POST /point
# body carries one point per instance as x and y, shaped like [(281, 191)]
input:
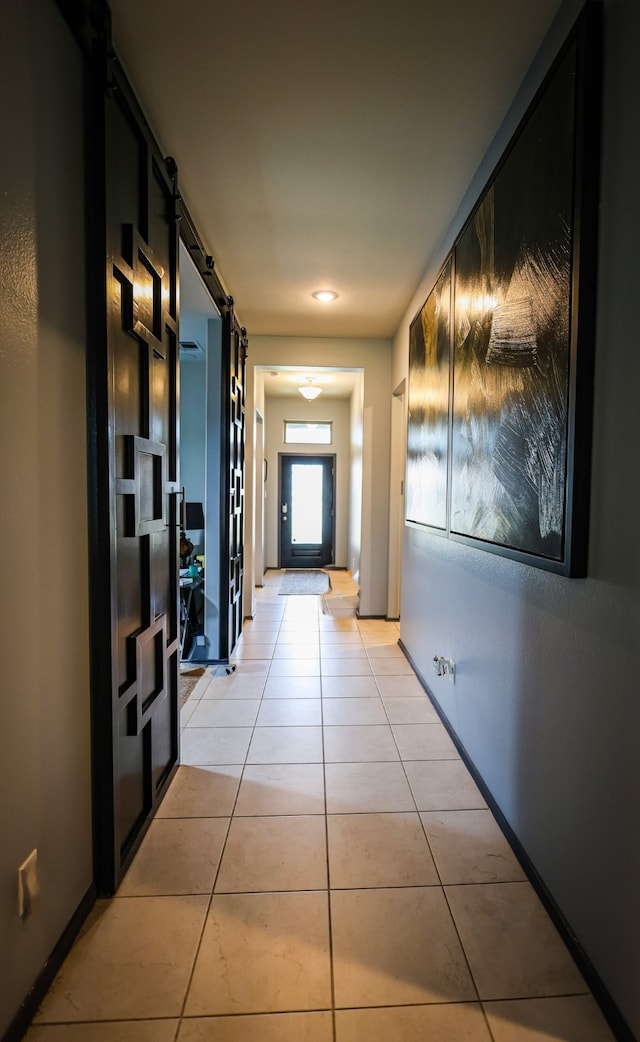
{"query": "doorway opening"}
[(200, 466), (282, 422), (307, 530)]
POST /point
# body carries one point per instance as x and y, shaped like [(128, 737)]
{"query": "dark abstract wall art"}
[(512, 322), (428, 403), (523, 272)]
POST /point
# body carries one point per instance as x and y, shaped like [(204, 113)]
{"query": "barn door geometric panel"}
[(234, 563), (138, 505), (133, 395)]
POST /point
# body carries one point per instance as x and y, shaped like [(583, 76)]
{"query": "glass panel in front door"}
[(306, 503)]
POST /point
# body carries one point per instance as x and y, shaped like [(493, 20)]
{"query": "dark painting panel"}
[(428, 424), (512, 339)]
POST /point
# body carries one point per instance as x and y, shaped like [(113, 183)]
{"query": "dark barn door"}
[(133, 394), (232, 570), (135, 591)]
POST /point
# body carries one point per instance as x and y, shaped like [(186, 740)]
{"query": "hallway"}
[(323, 869)]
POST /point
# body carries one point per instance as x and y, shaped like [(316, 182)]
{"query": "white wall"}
[(374, 356), (332, 410), (546, 694), (356, 420), (45, 776)]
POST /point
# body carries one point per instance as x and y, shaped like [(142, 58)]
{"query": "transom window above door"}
[(303, 432)]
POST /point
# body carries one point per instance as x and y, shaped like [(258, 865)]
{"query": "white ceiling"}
[(326, 146), (284, 382)]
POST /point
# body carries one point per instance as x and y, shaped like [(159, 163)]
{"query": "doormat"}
[(188, 681), (303, 581)]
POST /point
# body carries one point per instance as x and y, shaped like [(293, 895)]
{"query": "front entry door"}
[(306, 511)]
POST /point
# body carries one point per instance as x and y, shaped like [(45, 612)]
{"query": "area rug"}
[(188, 681), (302, 581)]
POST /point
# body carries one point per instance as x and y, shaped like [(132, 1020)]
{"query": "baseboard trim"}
[(610, 1011), (20, 1023)]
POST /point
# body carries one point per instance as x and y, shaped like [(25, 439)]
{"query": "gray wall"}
[(45, 783), (193, 431), (546, 699), (200, 403)]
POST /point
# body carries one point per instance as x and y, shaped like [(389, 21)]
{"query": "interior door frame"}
[(260, 467), (396, 498), (308, 458), (234, 352)]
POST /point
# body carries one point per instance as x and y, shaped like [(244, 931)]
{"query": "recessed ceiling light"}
[(325, 295)]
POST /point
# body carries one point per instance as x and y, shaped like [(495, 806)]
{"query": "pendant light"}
[(309, 390)]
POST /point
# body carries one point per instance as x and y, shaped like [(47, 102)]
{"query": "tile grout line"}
[(477, 1001), (326, 825), (330, 953), (216, 874), (442, 888), (326, 835)]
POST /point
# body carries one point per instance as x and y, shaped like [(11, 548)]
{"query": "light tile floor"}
[(323, 869)]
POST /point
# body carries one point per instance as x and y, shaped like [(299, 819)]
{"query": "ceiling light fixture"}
[(325, 296), (309, 391)]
